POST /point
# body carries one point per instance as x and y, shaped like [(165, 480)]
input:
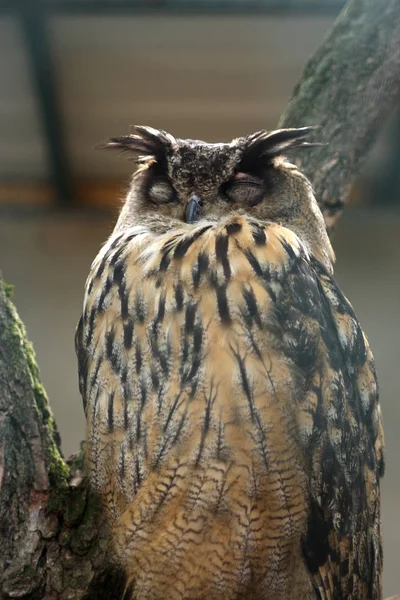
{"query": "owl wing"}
[(160, 311), (344, 449)]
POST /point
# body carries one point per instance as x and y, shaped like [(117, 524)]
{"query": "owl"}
[(234, 432)]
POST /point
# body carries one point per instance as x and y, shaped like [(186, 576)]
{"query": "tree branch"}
[(349, 87), (53, 528)]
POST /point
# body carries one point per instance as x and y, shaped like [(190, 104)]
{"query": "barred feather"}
[(233, 424)]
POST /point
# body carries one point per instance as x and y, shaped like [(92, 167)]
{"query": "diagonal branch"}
[(349, 87)]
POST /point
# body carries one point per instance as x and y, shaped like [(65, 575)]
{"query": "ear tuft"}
[(145, 144), (267, 145)]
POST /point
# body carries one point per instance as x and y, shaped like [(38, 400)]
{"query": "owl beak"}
[(193, 209)]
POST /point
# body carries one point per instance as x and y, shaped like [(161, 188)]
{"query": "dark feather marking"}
[(200, 268), (245, 382), (128, 334), (160, 312), (91, 284), (184, 244), (95, 403), (222, 303), (171, 411), (111, 352), (106, 257), (130, 237), (124, 296), (114, 243), (179, 428), (187, 376), (95, 373), (233, 228), (110, 336), (118, 272), (142, 403), (271, 292), (315, 543), (90, 328), (155, 380), (264, 451), (126, 394), (138, 353), (190, 317), (341, 304), (197, 338), (255, 265), (300, 345), (110, 412), (160, 396), (213, 278), (122, 463), (289, 250), (138, 477), (221, 253), (102, 266), (206, 424), (82, 361), (160, 353), (161, 451), (184, 353), (106, 288), (220, 438), (259, 235), (179, 296), (252, 308), (165, 260), (115, 257), (140, 310)]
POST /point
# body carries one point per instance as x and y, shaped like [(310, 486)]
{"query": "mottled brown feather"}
[(233, 425)]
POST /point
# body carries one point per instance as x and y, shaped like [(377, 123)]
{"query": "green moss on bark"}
[(22, 356)]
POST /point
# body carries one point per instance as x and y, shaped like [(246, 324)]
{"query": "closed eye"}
[(244, 189), (162, 192)]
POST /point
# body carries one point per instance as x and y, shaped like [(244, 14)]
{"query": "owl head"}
[(184, 181)]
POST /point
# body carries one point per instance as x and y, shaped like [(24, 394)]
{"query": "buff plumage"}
[(233, 425)]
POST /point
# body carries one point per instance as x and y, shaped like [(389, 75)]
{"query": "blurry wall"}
[(206, 77)]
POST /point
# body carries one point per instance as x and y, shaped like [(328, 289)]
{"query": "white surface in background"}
[(22, 151), (208, 77)]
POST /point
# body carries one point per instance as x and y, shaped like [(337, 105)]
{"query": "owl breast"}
[(204, 354)]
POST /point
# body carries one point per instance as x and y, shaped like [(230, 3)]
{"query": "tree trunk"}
[(51, 527), (348, 88), (54, 536)]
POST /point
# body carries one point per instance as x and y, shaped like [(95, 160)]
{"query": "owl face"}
[(190, 180)]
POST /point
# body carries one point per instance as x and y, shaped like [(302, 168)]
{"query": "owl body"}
[(233, 426)]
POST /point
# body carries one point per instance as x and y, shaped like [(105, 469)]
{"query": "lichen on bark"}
[(53, 528)]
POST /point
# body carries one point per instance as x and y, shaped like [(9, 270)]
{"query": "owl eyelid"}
[(246, 179), (249, 182), (161, 191), (235, 191)]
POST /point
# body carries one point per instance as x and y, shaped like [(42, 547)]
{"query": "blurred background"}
[(74, 72)]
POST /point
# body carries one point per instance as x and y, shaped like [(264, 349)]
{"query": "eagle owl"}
[(233, 427)]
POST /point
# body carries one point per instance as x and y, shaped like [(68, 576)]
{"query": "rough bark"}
[(52, 529), (349, 87), (53, 537)]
